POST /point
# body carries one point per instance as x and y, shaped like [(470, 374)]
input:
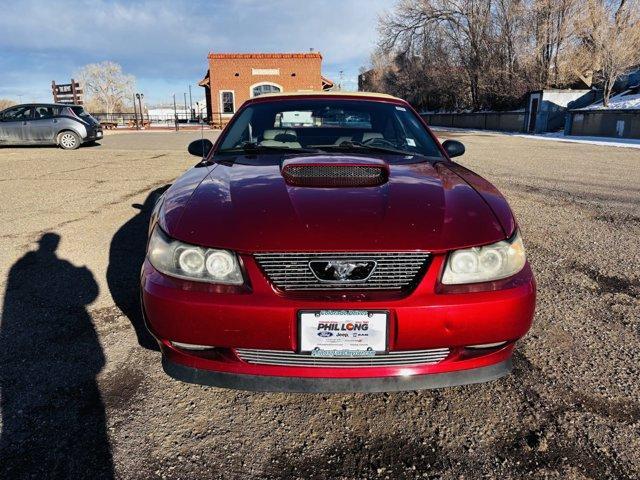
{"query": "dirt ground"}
[(84, 396)]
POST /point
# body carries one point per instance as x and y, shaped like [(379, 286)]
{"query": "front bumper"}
[(262, 383), (259, 317)]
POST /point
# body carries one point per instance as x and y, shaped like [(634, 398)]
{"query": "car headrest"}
[(281, 135)]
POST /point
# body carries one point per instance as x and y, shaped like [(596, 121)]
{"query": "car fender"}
[(66, 123), (490, 194)]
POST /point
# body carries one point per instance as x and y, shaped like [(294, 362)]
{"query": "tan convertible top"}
[(330, 94)]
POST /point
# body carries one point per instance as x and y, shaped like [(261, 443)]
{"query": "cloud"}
[(43, 40)]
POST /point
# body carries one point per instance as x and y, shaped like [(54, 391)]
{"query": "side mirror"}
[(200, 148), (453, 148)]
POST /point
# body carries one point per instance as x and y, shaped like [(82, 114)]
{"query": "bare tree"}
[(509, 25), (6, 103), (490, 53), (552, 22), (106, 86), (610, 40), (463, 26), (373, 77)]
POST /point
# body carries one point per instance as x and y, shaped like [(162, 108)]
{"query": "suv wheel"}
[(69, 140)]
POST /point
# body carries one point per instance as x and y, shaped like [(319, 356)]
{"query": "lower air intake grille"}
[(375, 271), (292, 359)]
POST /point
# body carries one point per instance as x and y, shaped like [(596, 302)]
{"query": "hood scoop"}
[(320, 171)]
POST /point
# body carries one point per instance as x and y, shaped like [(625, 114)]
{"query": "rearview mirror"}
[(200, 148), (453, 148)]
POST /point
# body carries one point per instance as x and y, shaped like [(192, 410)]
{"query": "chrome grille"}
[(393, 271), (293, 359)]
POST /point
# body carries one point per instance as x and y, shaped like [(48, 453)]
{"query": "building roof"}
[(205, 81), (213, 55), (326, 83)]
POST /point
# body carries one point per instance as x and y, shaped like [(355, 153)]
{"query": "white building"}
[(167, 113)]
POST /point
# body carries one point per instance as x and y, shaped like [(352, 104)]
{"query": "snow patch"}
[(619, 102), (554, 137), (604, 141)]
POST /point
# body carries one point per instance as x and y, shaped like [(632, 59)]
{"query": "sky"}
[(164, 44)]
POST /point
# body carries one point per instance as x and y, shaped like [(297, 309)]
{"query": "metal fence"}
[(599, 123), (126, 119), (604, 123), (501, 121)]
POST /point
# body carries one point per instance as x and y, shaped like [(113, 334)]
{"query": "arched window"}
[(263, 88)]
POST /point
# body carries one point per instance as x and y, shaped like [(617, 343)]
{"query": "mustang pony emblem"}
[(342, 270)]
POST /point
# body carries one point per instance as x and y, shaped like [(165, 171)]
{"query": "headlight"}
[(484, 264), (182, 260)]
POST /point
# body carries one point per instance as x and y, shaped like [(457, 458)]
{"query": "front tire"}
[(69, 140)]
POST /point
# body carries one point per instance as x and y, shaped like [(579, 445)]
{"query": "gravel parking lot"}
[(84, 396)]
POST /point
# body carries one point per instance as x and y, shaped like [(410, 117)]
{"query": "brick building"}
[(233, 78)]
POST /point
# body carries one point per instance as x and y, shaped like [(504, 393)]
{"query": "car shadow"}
[(53, 416), (126, 255), (48, 145), (36, 146)]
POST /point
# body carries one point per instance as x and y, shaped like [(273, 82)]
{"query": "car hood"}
[(245, 204)]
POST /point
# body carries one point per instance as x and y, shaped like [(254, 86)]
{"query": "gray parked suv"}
[(68, 126)]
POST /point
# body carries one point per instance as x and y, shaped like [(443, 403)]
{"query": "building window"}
[(226, 102), (265, 88)]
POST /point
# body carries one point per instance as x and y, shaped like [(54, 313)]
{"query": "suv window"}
[(18, 113), (46, 111)]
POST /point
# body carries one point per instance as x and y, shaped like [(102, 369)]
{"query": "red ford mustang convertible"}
[(327, 243)]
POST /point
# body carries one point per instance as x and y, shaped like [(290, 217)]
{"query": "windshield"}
[(320, 124)]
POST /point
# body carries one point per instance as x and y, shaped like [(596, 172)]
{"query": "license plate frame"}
[(371, 317)]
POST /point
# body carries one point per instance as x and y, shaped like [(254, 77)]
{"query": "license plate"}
[(99, 134), (335, 333)]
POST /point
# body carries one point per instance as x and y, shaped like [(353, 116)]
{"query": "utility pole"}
[(175, 111), (135, 113), (140, 96), (185, 107), (190, 104)]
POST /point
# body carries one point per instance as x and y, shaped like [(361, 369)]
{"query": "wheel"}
[(69, 140)]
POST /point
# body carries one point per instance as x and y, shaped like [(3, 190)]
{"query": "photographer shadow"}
[(53, 416)]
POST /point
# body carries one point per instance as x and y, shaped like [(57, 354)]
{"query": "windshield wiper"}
[(351, 145), (256, 147)]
